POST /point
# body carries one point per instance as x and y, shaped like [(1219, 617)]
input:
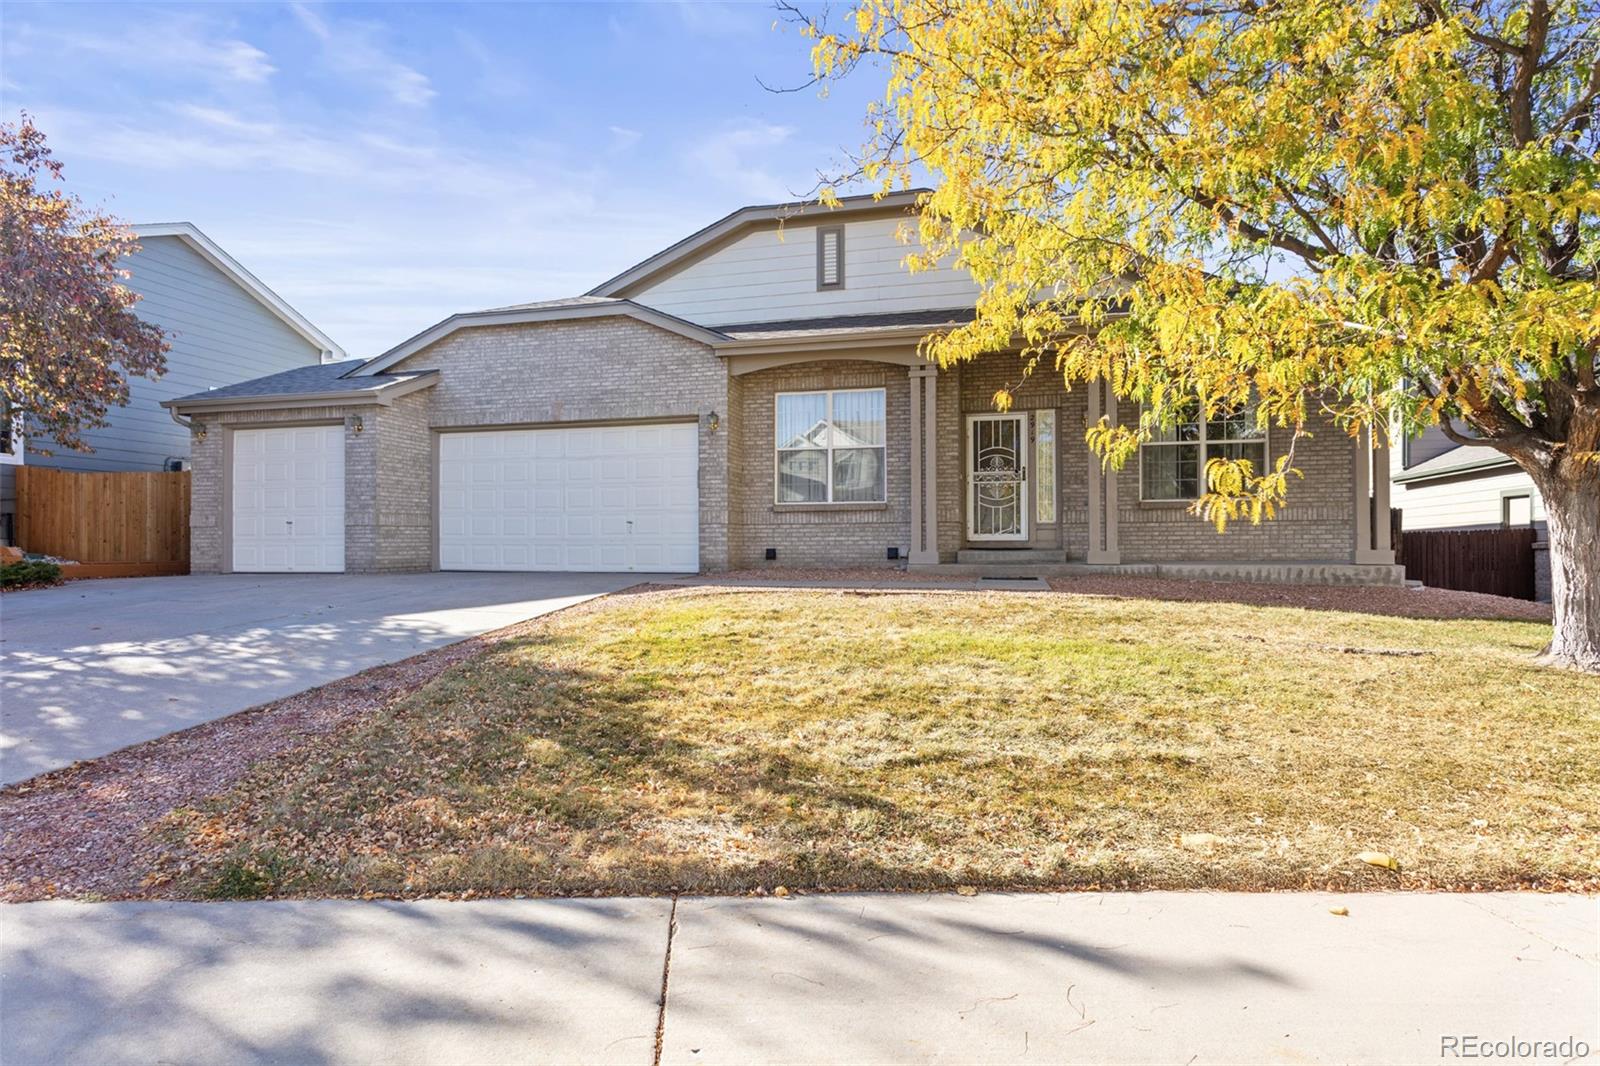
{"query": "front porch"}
[(865, 455), (1027, 497)]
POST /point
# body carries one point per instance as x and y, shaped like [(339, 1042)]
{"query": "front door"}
[(997, 477)]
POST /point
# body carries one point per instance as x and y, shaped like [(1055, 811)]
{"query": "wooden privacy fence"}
[(1497, 561), (136, 520)]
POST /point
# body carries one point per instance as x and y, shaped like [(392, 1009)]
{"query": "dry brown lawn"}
[(732, 741)]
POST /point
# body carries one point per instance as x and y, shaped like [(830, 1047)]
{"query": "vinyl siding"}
[(1420, 449), (219, 334), (771, 274), (1468, 501)]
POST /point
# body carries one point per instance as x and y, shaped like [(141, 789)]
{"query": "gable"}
[(770, 272), (183, 243)]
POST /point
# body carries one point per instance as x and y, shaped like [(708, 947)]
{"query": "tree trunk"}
[(1573, 507)]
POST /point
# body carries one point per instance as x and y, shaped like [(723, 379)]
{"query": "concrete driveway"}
[(94, 666)]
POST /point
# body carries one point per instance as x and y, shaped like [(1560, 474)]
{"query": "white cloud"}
[(734, 158), (352, 49), (176, 45), (623, 138)]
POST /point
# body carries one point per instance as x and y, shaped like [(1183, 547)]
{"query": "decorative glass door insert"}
[(997, 477)]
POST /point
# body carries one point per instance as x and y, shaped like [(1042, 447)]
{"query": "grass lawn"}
[(727, 741)]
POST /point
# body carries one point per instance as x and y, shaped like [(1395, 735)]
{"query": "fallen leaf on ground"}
[(966, 890), (1343, 912), (1379, 858)]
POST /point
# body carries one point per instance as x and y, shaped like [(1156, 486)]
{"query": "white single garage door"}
[(288, 500), (590, 498)]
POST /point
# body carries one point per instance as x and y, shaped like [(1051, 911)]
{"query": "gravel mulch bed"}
[(870, 574), (90, 829), (84, 829), (1398, 602)]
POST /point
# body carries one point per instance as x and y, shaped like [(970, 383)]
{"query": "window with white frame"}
[(10, 435), (1172, 464), (830, 446)]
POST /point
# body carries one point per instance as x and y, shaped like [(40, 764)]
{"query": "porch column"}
[(1104, 549), (1372, 500), (924, 465)]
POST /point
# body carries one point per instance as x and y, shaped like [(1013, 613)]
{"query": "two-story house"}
[(752, 395), (224, 326)]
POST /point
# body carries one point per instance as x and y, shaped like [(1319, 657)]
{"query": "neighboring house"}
[(224, 326), (752, 395), (1439, 484)]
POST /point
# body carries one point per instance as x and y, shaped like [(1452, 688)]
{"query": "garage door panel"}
[(591, 498), (288, 499)]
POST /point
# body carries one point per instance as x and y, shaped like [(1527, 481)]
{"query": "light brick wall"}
[(620, 369), (950, 474), (209, 551), (1043, 390), (405, 485), (587, 370), (818, 534), (1317, 524)]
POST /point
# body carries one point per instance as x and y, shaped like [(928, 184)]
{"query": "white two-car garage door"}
[(586, 498), (288, 500)]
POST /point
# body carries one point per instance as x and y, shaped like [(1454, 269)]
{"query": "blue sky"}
[(384, 165)]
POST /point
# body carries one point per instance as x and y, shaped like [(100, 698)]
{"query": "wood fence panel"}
[(104, 517), (1496, 561)]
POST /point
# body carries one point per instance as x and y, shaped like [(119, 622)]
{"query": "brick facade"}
[(1317, 524), (589, 370), (620, 369), (819, 534), (210, 502)]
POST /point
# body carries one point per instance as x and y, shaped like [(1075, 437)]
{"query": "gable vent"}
[(830, 257)]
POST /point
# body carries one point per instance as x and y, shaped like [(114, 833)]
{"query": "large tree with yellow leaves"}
[(1387, 211)]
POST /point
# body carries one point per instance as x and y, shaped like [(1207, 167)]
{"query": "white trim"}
[(517, 316), (1203, 443), (827, 452), (1025, 504), (208, 249), (17, 456)]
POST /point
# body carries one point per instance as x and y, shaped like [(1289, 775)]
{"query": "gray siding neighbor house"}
[(1439, 484), (752, 396), (224, 327)]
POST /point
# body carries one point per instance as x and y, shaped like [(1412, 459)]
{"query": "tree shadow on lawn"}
[(512, 774)]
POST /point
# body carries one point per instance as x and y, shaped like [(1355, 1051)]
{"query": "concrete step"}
[(1011, 556)]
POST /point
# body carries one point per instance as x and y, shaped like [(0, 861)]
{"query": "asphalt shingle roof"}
[(304, 381), (1462, 458), (565, 301), (811, 327)]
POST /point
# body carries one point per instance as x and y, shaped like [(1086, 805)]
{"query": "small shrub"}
[(249, 875), (28, 573)]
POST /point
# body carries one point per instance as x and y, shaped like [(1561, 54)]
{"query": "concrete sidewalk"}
[(1146, 977)]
